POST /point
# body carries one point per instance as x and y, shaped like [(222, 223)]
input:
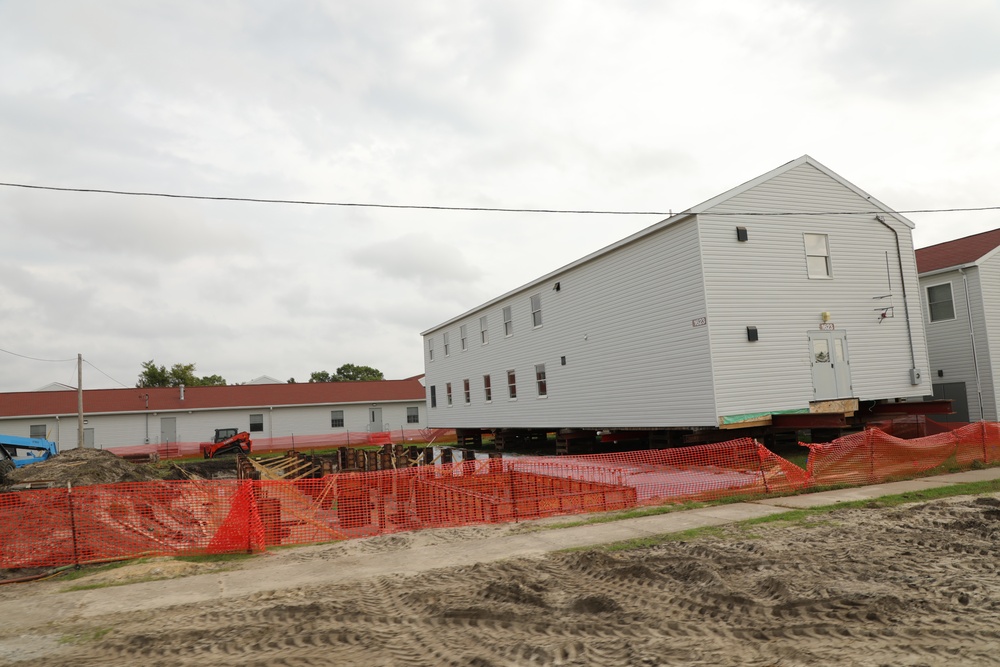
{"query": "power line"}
[(23, 356), (105, 374), (488, 209)]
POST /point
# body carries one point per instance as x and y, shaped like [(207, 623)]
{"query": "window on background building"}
[(511, 384), (940, 302), (484, 330), (487, 390), (447, 348), (256, 423), (817, 255), (336, 418), (468, 391), (37, 431), (540, 380), (464, 338), (434, 396), (430, 348), (508, 323), (413, 415), (536, 310), (447, 391)]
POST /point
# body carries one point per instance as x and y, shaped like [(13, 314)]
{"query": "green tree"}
[(352, 373), (348, 373), (179, 374)]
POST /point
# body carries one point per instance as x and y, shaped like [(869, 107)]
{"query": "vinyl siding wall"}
[(986, 310), (623, 321), (763, 282), (950, 341)]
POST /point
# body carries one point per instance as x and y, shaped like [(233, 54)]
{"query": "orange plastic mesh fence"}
[(873, 456), (51, 527)]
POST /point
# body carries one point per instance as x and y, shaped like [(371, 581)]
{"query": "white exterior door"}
[(831, 367), (168, 429), (375, 420)]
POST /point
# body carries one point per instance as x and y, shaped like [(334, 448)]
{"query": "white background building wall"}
[(763, 282), (987, 311), (120, 430)]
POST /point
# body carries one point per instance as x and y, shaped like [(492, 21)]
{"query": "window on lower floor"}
[(540, 380), (447, 391), (940, 302), (37, 430), (413, 415), (336, 418), (256, 423), (487, 390), (511, 384), (434, 396), (468, 392)]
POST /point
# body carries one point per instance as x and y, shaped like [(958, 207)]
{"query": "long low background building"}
[(173, 420)]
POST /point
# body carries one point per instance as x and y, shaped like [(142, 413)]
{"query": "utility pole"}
[(79, 401)]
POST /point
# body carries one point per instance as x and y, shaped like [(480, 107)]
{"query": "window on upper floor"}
[(256, 423), (463, 337), (508, 323), (536, 310), (447, 347), (413, 415), (430, 348), (484, 330), (540, 380), (940, 303), (511, 385), (817, 255), (336, 418), (487, 389), (434, 396)]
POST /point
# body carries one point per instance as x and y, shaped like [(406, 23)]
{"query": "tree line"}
[(152, 375)]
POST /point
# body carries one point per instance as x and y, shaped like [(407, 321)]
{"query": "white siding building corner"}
[(960, 289), (792, 289)]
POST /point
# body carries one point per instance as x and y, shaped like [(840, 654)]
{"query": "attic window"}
[(817, 255)]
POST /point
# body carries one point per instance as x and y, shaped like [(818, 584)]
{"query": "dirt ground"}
[(913, 585)]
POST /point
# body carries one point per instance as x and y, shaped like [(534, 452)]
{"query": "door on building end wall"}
[(959, 401), (168, 429), (831, 366), (375, 420), (88, 438)]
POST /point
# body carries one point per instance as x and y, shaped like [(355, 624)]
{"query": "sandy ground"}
[(914, 585)]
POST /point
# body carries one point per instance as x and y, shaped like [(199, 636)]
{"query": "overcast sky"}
[(627, 105)]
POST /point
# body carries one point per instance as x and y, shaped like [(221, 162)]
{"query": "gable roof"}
[(704, 207), (959, 252), (166, 399)]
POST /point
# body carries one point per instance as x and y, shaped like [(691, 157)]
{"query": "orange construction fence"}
[(88, 524)]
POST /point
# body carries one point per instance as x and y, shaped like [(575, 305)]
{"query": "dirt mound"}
[(82, 467)]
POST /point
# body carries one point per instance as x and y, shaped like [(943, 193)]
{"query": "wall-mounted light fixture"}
[(741, 234), (557, 287), (751, 333), (825, 316)]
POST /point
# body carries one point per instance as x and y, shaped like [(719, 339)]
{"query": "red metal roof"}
[(35, 403), (958, 252)]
